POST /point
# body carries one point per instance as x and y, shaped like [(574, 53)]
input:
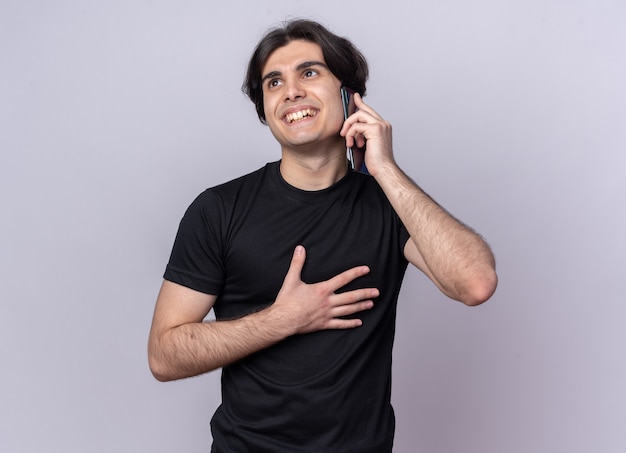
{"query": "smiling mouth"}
[(294, 117)]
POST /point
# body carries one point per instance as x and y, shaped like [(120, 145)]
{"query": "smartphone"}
[(355, 155)]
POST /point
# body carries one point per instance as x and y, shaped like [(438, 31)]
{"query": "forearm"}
[(196, 348), (181, 345), (454, 256), (457, 260)]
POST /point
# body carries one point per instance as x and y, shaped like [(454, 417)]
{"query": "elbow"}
[(480, 289), (157, 369), (165, 367), (159, 376), (157, 364)]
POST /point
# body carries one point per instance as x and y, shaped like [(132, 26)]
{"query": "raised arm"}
[(452, 255), (182, 345)]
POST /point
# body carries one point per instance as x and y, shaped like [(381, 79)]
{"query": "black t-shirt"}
[(325, 391)]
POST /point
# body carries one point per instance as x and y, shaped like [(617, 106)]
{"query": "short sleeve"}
[(196, 258)]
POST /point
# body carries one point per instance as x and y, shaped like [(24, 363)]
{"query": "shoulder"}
[(368, 188), (242, 182), (213, 209), (233, 188)]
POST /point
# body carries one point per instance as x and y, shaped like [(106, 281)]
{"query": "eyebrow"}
[(300, 67)]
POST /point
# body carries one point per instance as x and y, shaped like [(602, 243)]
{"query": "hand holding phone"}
[(354, 154)]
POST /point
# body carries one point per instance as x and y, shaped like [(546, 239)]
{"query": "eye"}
[(273, 83), (310, 73)]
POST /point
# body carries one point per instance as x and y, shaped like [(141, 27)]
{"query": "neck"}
[(313, 172)]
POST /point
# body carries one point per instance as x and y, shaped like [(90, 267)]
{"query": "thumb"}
[(297, 263)]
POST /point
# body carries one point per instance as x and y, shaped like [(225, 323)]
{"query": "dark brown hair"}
[(343, 59)]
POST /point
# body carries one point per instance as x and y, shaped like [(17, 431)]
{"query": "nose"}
[(294, 90)]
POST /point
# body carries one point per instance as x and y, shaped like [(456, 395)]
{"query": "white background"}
[(114, 115)]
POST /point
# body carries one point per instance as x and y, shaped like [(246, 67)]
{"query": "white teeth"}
[(297, 116)]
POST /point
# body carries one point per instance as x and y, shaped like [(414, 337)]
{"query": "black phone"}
[(355, 155)]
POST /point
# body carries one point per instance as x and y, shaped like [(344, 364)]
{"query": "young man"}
[(302, 262)]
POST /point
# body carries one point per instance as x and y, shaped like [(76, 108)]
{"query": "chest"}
[(338, 234)]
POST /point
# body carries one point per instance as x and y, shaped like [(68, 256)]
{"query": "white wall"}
[(114, 115)]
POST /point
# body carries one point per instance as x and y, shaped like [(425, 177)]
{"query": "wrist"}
[(274, 325), (384, 170)]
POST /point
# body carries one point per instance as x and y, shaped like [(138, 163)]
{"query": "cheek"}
[(268, 102), (336, 115), (274, 128), (266, 108)]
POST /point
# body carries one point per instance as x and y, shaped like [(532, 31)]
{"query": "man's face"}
[(301, 97)]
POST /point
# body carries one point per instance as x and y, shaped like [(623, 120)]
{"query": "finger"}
[(342, 279), (358, 118), (342, 324), (360, 140), (362, 106), (295, 267), (339, 324), (347, 310), (353, 296), (355, 136)]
